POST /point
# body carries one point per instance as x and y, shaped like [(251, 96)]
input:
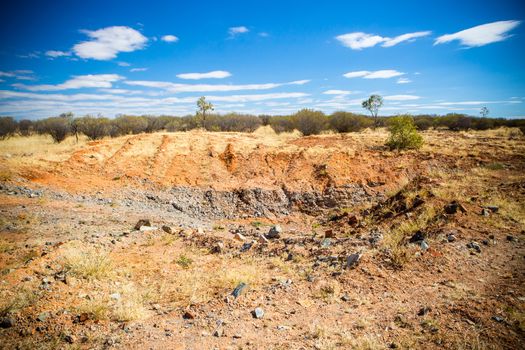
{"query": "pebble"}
[(275, 232), (7, 322), (258, 312), (475, 246), (352, 260), (451, 238)]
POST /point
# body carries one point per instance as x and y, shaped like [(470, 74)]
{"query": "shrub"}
[(129, 124), (233, 122), (282, 124), (423, 122), (403, 133), (7, 127), (183, 123), (25, 127), (310, 122), (94, 128), (57, 127), (349, 122)]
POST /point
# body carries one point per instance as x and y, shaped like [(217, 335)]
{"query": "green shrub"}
[(403, 133), (130, 124), (282, 124), (310, 122), (58, 127), (25, 127), (349, 122), (7, 127), (94, 128)]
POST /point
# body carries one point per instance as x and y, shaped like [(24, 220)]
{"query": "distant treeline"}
[(308, 122)]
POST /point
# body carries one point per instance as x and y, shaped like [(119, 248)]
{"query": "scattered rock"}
[(263, 240), (238, 290), (451, 238), (485, 212), (345, 297), (329, 234), (498, 319), (140, 223), (453, 207), (239, 237), (325, 243), (511, 238), (115, 296), (352, 260), (43, 316), (188, 315), (68, 338), (167, 229), (275, 232), (217, 248), (424, 245), (492, 208), (219, 332), (417, 237), (246, 246), (147, 228), (475, 246), (424, 310), (7, 322), (258, 312)]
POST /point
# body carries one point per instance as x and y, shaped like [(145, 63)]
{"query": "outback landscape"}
[(235, 240), (245, 175)]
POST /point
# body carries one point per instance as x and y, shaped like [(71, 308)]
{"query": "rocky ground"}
[(246, 241)]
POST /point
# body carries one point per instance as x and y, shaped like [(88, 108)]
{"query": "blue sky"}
[(271, 57)]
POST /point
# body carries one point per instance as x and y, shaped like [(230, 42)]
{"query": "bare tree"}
[(484, 112)]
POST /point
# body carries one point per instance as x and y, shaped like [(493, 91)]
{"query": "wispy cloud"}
[(378, 74), (480, 35), (401, 97), (176, 88), (56, 53), (403, 81), (234, 31), (216, 74), (337, 92), (169, 38), (106, 43), (143, 69), (77, 82), (360, 40), (20, 74)]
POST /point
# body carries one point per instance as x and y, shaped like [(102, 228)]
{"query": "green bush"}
[(349, 122), (94, 128), (7, 127), (403, 133), (58, 127), (25, 127), (310, 122), (282, 124), (130, 124)]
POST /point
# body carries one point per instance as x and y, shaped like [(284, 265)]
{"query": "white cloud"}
[(7, 74), (20, 74), (176, 88), (404, 37), (378, 74), (264, 34), (169, 38), (77, 82), (256, 97), (124, 64), (337, 92), (403, 81), (106, 43), (138, 69), (360, 40), (55, 53), (233, 31), (480, 35), (216, 74), (401, 98)]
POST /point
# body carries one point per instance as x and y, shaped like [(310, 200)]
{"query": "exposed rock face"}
[(261, 202)]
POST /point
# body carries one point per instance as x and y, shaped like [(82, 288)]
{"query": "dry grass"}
[(86, 262), (130, 306), (17, 299)]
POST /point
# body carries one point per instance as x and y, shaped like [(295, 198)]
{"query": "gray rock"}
[(43, 316), (451, 238), (424, 245), (167, 229), (352, 260), (219, 332), (275, 232), (325, 243), (115, 296), (475, 246), (238, 290), (485, 212), (258, 312)]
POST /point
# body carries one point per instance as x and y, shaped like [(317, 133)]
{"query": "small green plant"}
[(184, 262), (403, 133)]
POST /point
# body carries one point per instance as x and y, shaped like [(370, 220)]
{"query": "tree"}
[(204, 107), (373, 104), (403, 133), (484, 112), (7, 127), (310, 122), (57, 127)]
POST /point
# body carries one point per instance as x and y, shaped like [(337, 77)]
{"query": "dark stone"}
[(142, 222), (167, 229), (417, 237), (188, 315), (7, 322), (424, 310), (453, 207), (238, 290), (275, 232)]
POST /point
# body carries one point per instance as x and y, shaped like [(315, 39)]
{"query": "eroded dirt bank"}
[(375, 249)]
